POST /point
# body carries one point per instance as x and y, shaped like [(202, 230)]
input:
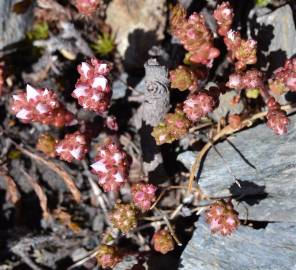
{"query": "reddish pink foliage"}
[(163, 241), (224, 16), (195, 36), (87, 7), (143, 195), (222, 217), (92, 89), (73, 146), (199, 105), (241, 50), (284, 78), (277, 119), (248, 80), (111, 166), (40, 105)]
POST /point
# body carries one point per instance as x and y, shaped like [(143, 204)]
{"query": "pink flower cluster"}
[(284, 78), (40, 105), (199, 105), (277, 119), (194, 35), (224, 16), (92, 89), (111, 166), (87, 7), (251, 79), (240, 50), (143, 195), (73, 146), (222, 217)]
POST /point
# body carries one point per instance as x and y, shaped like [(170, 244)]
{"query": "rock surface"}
[(13, 25), (270, 248), (276, 35), (137, 26)]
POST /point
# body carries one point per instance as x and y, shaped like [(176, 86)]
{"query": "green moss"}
[(39, 31), (104, 45), (262, 3)]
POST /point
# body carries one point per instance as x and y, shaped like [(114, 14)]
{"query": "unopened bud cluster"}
[(73, 146), (92, 89), (87, 7), (40, 105), (174, 127), (222, 218), (284, 78), (195, 36), (123, 217), (111, 166), (163, 241), (277, 119), (143, 195)]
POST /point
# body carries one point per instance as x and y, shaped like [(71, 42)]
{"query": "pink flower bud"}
[(40, 105), (163, 242), (284, 78), (224, 16), (222, 217), (92, 89), (194, 35), (143, 195), (277, 119), (73, 146), (111, 166), (199, 105), (111, 123), (87, 7)]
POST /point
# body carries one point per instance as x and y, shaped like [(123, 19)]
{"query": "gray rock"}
[(248, 249), (266, 165), (13, 26), (187, 158), (137, 25), (276, 35), (225, 107)]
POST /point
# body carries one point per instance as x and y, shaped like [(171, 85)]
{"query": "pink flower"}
[(222, 217), (195, 36), (73, 146), (250, 79), (143, 195), (87, 7), (284, 78), (224, 16), (199, 105), (40, 105), (111, 123), (92, 89), (277, 119), (111, 166)]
